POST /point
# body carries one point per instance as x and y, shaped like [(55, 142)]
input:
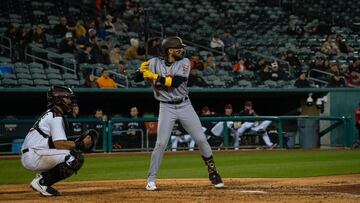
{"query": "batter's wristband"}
[(168, 81)]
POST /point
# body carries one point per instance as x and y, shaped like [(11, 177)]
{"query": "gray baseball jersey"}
[(179, 68), (181, 110)]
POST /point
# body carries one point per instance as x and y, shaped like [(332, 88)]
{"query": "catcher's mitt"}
[(87, 147)]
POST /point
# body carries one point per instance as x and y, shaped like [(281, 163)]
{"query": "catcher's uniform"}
[(38, 153)]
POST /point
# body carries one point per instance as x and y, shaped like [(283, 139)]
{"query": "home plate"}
[(253, 191)]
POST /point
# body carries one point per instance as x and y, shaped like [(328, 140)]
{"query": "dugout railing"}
[(7, 140), (348, 137)]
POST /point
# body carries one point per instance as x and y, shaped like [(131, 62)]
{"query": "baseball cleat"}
[(216, 180), (43, 189), (151, 186)]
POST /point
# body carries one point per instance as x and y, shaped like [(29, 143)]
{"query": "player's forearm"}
[(64, 144)]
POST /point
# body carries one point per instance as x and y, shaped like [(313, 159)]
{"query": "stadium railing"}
[(107, 129)]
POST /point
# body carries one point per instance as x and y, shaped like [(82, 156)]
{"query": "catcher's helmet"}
[(172, 42), (56, 95)]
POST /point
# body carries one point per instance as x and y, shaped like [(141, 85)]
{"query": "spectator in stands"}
[(109, 43), (239, 66), (355, 65), (196, 63), (329, 46), (196, 80), (223, 65), (301, 81), (260, 64), (276, 73), (120, 25), (84, 55), (79, 29), (342, 46), (100, 27), (115, 55), (353, 79), (109, 26), (153, 47), (104, 57), (62, 28), (323, 28), (228, 39), (337, 81), (179, 135), (136, 26), (209, 64), (294, 28), (39, 36), (357, 125), (131, 53), (293, 61), (105, 81), (67, 45), (217, 43), (90, 81), (135, 129)]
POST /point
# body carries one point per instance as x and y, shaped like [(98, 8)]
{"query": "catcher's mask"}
[(62, 97), (175, 43)]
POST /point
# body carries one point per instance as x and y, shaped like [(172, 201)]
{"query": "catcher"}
[(46, 149)]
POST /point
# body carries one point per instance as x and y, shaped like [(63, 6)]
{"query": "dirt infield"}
[(345, 188)]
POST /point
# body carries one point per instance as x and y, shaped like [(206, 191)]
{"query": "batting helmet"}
[(172, 42), (56, 95)]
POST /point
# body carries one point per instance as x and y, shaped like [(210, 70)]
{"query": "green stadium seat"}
[(9, 76), (53, 76), (23, 76), (9, 82), (25, 82), (37, 70), (35, 65), (38, 76), (72, 83), (56, 82), (69, 76), (41, 82)]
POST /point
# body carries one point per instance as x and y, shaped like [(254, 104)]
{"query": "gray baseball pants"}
[(168, 114)]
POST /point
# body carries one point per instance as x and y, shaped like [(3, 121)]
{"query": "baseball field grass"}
[(231, 164)]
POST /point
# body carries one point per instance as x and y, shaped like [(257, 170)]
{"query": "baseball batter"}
[(46, 149), (169, 82)]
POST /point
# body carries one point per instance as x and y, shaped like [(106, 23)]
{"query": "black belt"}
[(25, 150), (176, 101)]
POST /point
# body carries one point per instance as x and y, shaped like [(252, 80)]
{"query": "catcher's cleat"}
[(216, 180), (43, 189), (151, 186)]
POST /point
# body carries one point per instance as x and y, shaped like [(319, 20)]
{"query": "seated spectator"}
[(109, 26), (79, 29), (120, 25), (136, 25), (337, 81), (342, 46), (228, 39), (293, 61), (209, 64), (131, 53), (323, 28), (103, 57), (239, 66), (196, 63), (294, 28), (217, 43), (105, 81), (261, 64), (329, 46), (257, 126), (62, 28), (196, 80), (39, 36), (179, 135), (84, 55), (302, 82), (67, 45), (90, 81), (75, 127), (353, 79), (153, 47), (99, 114), (355, 65), (115, 55)]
